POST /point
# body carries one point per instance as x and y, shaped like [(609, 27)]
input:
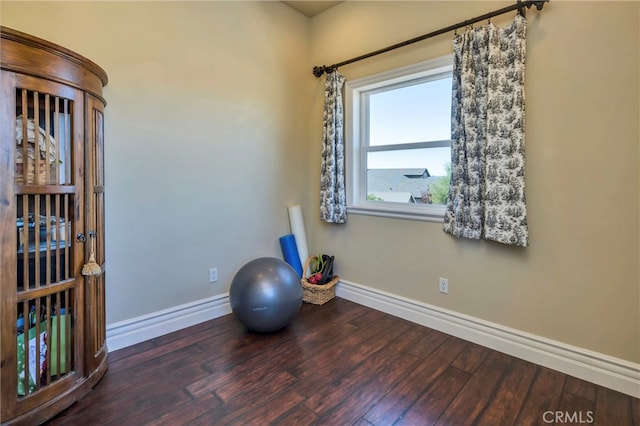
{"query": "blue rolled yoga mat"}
[(290, 252)]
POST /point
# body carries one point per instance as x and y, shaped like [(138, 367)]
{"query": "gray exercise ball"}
[(266, 294)]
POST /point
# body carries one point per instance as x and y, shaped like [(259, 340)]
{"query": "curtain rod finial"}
[(540, 4), (319, 70), (323, 69)]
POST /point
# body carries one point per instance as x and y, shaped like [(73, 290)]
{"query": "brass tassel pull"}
[(91, 267)]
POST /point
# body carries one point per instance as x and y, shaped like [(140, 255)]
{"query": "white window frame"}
[(356, 141)]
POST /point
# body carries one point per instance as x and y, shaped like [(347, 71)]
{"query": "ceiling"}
[(311, 8)]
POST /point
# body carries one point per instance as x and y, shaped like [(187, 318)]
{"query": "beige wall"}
[(213, 127), (205, 127), (578, 282)]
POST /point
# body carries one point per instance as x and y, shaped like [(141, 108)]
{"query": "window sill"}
[(423, 214)]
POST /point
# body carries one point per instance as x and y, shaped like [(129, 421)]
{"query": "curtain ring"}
[(521, 11)]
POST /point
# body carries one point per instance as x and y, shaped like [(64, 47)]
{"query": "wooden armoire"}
[(52, 281)]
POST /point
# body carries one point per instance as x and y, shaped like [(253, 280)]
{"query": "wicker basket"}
[(31, 173), (316, 293)]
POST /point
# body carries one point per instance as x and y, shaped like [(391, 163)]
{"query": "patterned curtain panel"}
[(333, 200), (487, 194)]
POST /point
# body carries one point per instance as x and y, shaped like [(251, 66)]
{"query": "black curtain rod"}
[(520, 5)]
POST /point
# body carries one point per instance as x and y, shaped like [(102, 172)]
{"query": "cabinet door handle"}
[(81, 237)]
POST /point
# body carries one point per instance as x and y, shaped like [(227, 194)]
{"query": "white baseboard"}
[(614, 373), (145, 327)]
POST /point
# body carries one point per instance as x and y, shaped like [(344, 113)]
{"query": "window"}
[(398, 141)]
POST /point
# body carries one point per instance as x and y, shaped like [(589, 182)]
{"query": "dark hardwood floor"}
[(336, 364)]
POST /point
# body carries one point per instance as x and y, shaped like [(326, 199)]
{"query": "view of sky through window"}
[(416, 113)]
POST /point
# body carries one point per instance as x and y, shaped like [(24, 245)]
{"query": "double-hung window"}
[(398, 141)]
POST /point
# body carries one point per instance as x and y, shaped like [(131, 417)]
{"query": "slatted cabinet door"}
[(48, 135), (96, 339)]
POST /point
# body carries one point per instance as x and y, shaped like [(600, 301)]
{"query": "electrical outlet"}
[(213, 275), (444, 285)]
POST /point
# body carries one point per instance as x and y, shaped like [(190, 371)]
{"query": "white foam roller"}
[(297, 229)]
